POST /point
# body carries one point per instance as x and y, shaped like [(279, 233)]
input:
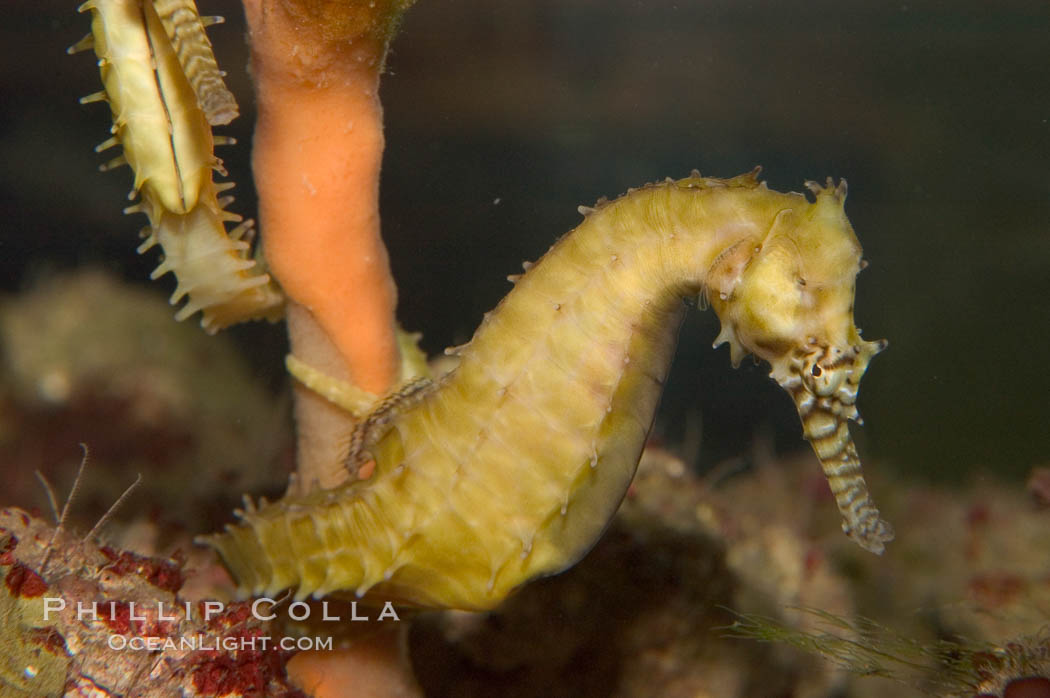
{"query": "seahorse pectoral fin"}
[(823, 382)]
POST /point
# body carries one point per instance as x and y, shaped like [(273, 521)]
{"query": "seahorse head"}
[(790, 302)]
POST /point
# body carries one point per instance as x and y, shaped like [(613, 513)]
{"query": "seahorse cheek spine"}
[(512, 467)]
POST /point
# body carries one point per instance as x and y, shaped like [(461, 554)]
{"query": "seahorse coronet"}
[(512, 464)]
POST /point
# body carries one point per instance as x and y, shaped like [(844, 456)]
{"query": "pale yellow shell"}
[(155, 85)]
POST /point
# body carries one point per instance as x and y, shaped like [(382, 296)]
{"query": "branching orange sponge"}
[(159, 76)]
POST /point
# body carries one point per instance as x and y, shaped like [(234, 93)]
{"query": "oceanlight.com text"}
[(259, 643)]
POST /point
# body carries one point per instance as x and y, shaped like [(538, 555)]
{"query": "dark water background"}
[(504, 115)]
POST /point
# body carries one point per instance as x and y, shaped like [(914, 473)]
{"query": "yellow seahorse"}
[(511, 465)]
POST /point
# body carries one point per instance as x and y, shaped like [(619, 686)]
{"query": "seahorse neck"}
[(628, 265)]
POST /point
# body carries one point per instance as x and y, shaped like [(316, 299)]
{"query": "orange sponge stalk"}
[(317, 155)]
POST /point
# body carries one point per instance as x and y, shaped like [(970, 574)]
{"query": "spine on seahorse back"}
[(513, 465)]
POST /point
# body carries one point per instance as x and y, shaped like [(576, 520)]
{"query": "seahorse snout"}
[(823, 381)]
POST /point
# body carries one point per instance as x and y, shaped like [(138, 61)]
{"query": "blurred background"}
[(503, 116)]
